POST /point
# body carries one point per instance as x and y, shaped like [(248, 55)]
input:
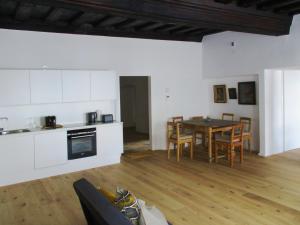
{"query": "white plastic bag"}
[(150, 215)]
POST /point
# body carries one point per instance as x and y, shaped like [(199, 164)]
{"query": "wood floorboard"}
[(263, 191)]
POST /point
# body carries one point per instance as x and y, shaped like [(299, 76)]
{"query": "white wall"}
[(251, 54), (232, 106), (291, 89), (173, 66)]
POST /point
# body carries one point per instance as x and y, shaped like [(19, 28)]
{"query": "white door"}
[(127, 95), (76, 86), (46, 86), (291, 109), (50, 149), (14, 87)]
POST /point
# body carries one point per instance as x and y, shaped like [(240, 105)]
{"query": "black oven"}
[(82, 143)]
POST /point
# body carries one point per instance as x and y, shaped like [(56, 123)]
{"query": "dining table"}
[(208, 127)]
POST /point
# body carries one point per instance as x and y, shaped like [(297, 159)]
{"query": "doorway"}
[(134, 95)]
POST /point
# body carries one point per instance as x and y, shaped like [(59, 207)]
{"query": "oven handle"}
[(82, 136)]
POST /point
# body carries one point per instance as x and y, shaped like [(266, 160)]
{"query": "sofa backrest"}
[(97, 209)]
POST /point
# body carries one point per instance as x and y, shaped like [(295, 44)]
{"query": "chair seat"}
[(244, 133), (225, 138), (182, 136)]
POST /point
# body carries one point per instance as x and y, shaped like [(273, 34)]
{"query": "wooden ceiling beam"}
[(38, 25), (205, 13), (277, 4), (23, 11)]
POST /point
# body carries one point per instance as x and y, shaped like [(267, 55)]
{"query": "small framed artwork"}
[(232, 93), (220, 94), (247, 93)]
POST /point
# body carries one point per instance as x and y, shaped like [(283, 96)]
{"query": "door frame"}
[(118, 110)]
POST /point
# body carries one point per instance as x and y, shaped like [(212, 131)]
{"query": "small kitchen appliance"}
[(50, 121), (107, 118), (92, 117)]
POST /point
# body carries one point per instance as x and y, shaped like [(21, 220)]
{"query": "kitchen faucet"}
[(1, 119)]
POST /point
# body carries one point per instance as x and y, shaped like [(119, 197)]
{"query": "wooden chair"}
[(178, 138), (247, 135), (228, 116), (177, 119), (230, 142), (199, 135)]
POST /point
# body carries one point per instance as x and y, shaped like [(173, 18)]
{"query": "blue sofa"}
[(97, 209)]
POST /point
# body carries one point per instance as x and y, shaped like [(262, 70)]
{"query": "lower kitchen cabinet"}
[(50, 149), (17, 158)]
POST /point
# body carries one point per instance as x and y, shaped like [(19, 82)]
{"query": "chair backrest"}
[(96, 208), (246, 121), (228, 116), (197, 118), (174, 130), (237, 133), (177, 119)]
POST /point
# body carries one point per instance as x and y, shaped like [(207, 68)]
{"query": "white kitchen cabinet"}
[(103, 85), (50, 149), (76, 86), (17, 158), (110, 140), (46, 86), (15, 88)]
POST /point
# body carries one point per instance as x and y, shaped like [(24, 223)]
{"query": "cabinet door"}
[(50, 149), (46, 86), (76, 86), (14, 86), (103, 85), (17, 158), (110, 139)]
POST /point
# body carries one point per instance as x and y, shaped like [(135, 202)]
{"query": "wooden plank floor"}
[(261, 191)]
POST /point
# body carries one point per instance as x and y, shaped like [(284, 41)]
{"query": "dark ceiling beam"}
[(276, 4), (246, 3), (130, 23), (110, 21), (23, 11), (54, 15), (288, 8), (224, 1), (205, 13), (150, 26), (38, 25)]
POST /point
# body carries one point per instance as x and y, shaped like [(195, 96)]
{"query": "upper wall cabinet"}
[(46, 86), (15, 88), (103, 85), (76, 86)]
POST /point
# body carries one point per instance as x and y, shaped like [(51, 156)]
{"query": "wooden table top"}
[(214, 123)]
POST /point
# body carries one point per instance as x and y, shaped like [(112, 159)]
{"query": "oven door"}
[(82, 143)]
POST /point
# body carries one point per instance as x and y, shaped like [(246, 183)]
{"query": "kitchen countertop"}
[(70, 126)]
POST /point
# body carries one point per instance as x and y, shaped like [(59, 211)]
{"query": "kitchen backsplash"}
[(66, 113)]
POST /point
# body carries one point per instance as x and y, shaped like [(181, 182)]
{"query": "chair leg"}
[(249, 144), (178, 152), (231, 159), (168, 143), (241, 154), (192, 150), (216, 152)]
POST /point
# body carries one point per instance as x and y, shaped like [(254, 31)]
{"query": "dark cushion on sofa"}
[(97, 209)]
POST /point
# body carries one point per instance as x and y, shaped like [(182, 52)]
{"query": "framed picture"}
[(220, 94), (247, 93), (232, 93)]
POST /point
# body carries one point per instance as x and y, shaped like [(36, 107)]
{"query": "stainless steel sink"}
[(6, 132)]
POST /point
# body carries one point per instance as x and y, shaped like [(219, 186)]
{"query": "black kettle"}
[(92, 117)]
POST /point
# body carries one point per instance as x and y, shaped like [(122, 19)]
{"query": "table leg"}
[(210, 158)]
